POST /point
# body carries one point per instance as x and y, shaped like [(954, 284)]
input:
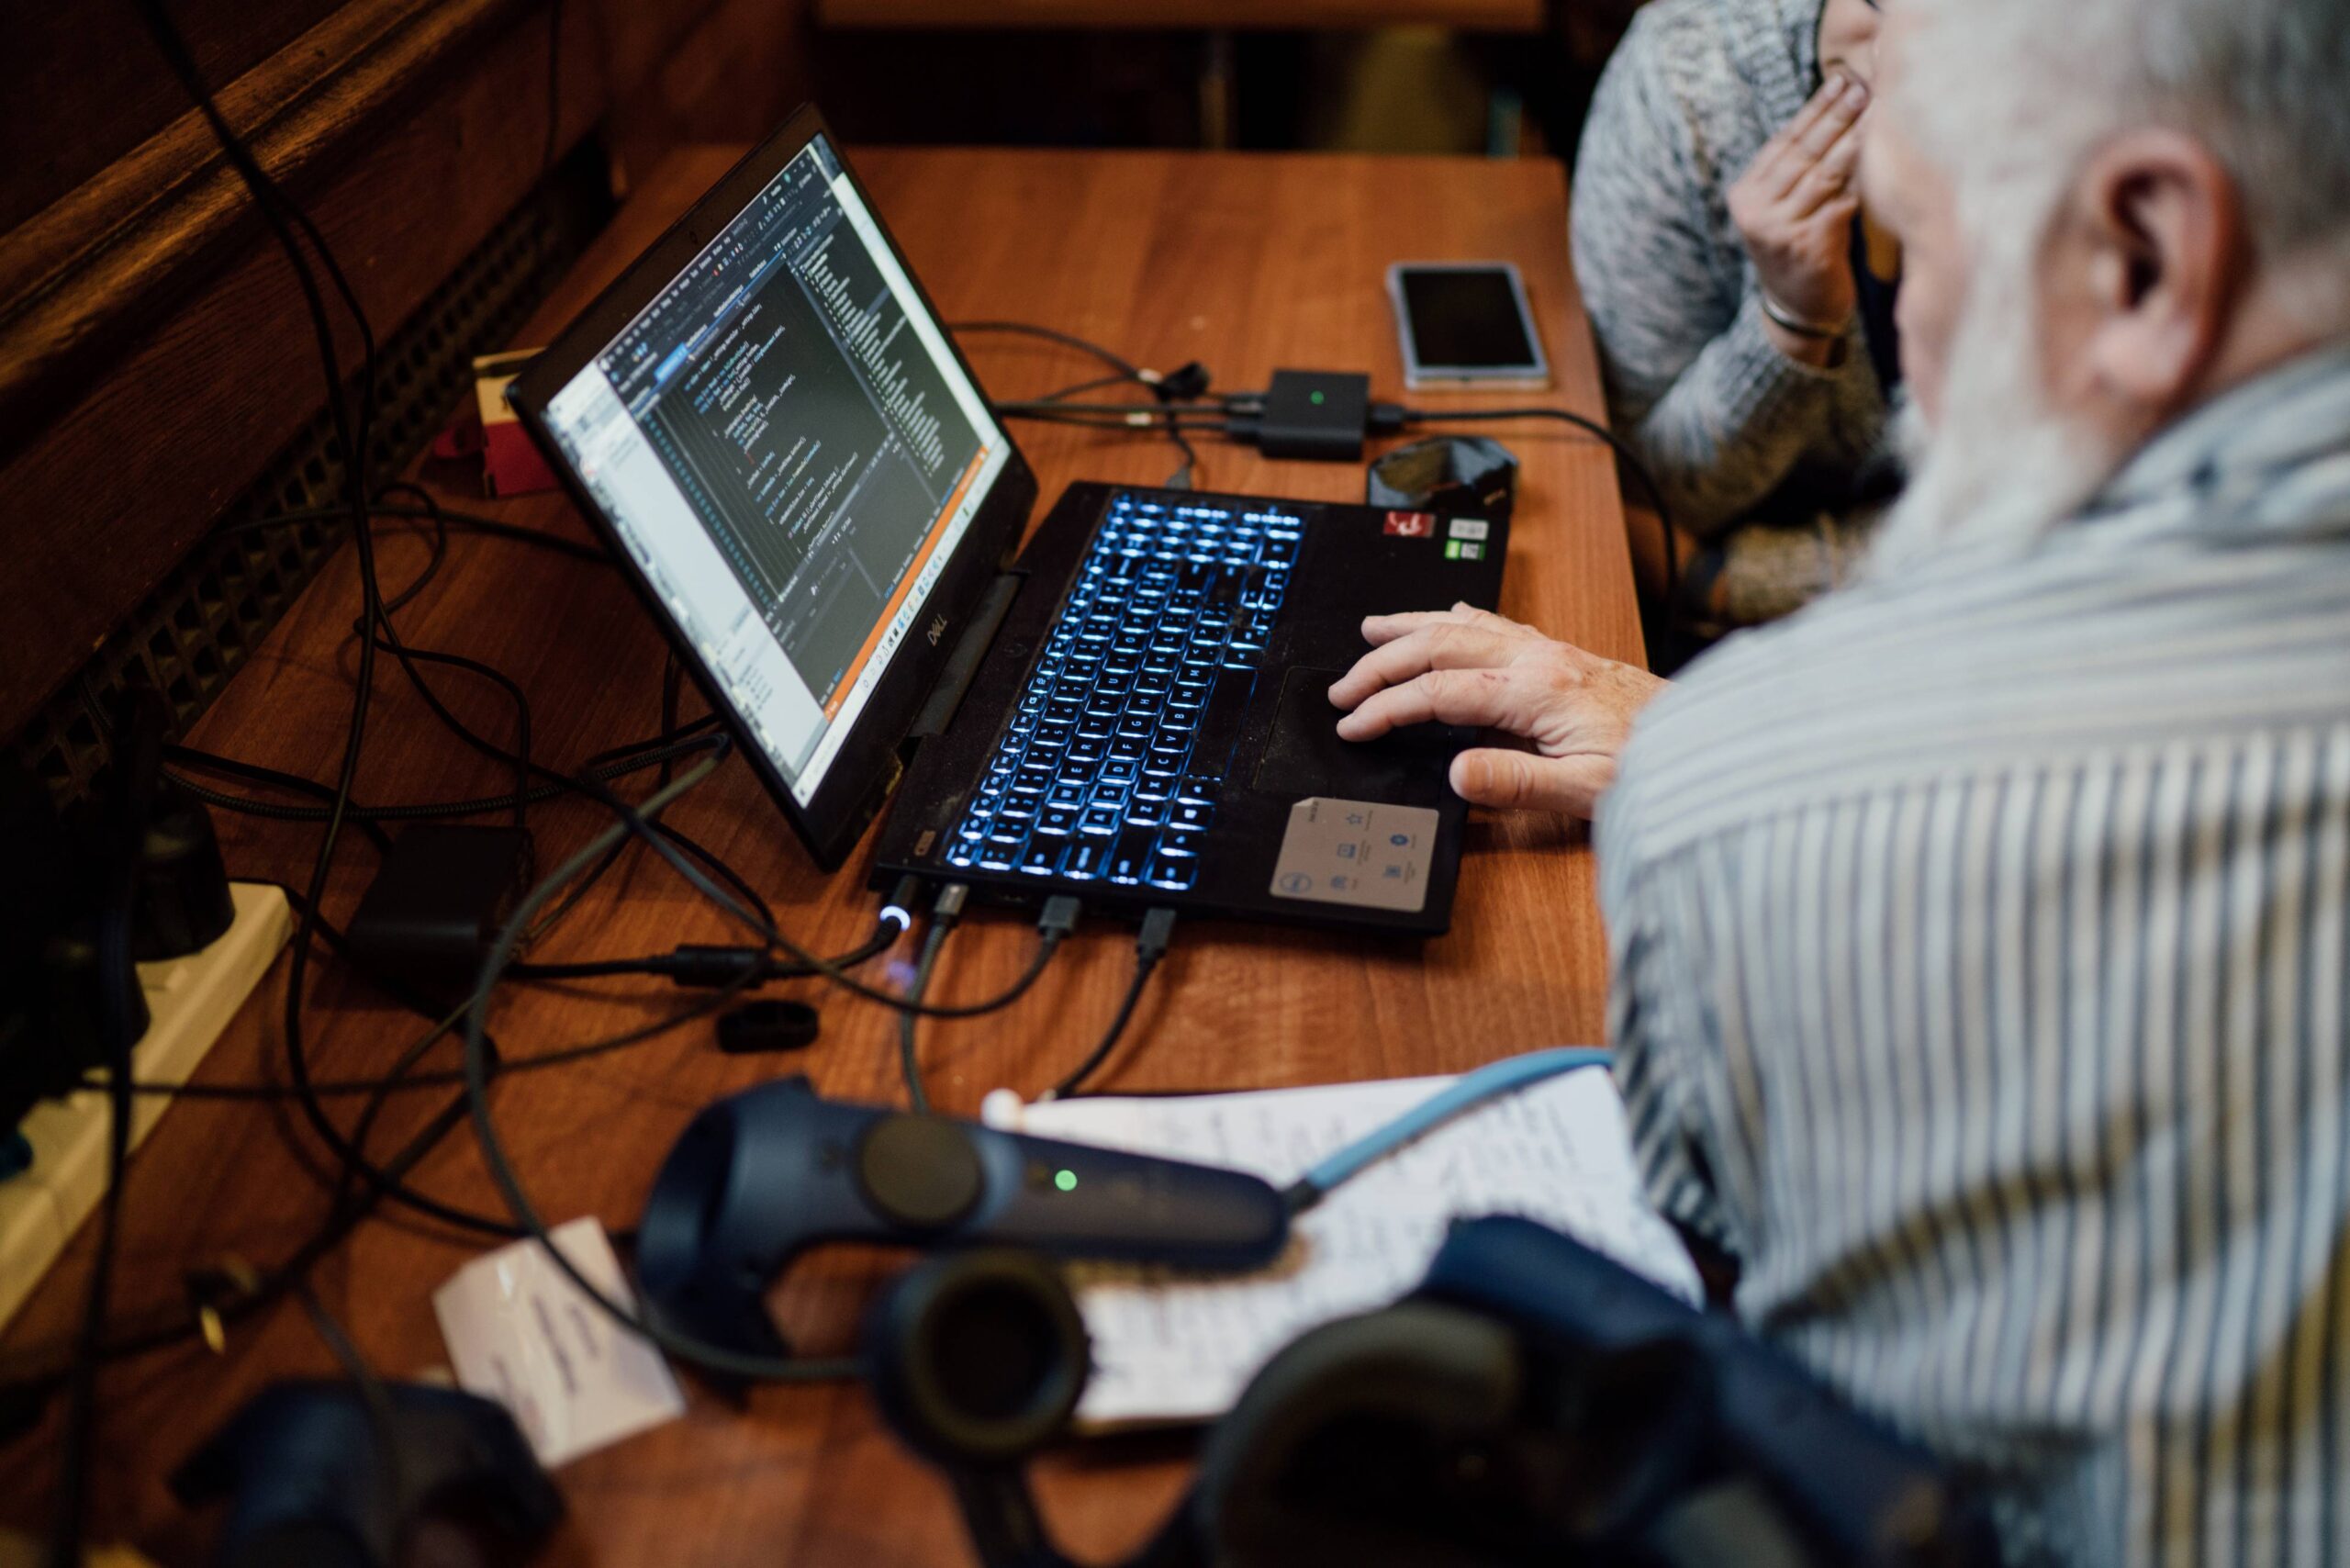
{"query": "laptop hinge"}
[(963, 663)]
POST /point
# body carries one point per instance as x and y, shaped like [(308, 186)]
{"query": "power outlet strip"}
[(190, 1001)]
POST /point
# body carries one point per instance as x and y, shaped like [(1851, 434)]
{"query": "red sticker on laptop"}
[(1411, 525)]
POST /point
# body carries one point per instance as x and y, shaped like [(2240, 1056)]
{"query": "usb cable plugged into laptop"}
[(695, 965), (1058, 918), (945, 914), (1150, 945), (898, 911)]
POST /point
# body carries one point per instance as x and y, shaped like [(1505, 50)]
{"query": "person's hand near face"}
[(1571, 712), (1795, 207)]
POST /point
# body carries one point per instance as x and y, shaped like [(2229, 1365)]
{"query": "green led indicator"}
[(1315, 398), (1066, 1181)]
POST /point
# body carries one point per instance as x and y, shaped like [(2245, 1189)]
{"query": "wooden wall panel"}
[(154, 352), (111, 255), (106, 497), (80, 87)]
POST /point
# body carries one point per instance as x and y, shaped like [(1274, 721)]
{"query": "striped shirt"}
[(1979, 942)]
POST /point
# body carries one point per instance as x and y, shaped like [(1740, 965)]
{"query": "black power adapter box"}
[(427, 919), (1316, 414)]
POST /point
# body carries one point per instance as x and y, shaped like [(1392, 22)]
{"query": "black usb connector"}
[(1059, 917), (1053, 925), (1151, 944)]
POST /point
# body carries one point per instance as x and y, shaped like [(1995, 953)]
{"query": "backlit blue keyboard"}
[(1111, 768)]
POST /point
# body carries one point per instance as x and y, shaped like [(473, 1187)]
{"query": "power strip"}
[(190, 1001)]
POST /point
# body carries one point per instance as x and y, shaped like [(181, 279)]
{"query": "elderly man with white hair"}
[(1982, 934)]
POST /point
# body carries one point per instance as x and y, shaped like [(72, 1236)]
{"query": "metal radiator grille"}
[(197, 628)]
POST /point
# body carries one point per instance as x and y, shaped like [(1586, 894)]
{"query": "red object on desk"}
[(510, 463)]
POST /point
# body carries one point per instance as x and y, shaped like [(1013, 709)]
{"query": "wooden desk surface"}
[(1243, 261), (1467, 15)]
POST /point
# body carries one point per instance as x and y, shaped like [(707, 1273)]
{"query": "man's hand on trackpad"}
[(1572, 711)]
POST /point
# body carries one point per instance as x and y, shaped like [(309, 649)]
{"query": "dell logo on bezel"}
[(937, 630)]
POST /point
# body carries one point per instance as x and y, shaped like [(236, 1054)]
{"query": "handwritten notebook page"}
[(1171, 1347)]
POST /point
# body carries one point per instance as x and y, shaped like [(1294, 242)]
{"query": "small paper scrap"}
[(519, 1332)]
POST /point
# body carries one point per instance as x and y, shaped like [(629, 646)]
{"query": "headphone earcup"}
[(1336, 1414), (977, 1357)]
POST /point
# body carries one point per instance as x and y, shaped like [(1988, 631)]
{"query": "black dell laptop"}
[(789, 455)]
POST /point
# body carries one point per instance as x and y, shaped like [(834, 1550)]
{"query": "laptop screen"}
[(787, 446)]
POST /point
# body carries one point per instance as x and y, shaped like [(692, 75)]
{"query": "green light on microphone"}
[(1066, 1181)]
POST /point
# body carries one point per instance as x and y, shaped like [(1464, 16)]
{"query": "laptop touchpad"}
[(1306, 757)]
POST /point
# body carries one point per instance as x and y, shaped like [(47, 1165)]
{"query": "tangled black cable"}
[(1055, 408), (685, 1347), (1176, 412), (1150, 946), (1061, 913), (65, 1539), (427, 811), (449, 517), (376, 632), (291, 225), (350, 1149), (32, 1374)]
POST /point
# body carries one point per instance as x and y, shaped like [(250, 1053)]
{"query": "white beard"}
[(2001, 468)]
